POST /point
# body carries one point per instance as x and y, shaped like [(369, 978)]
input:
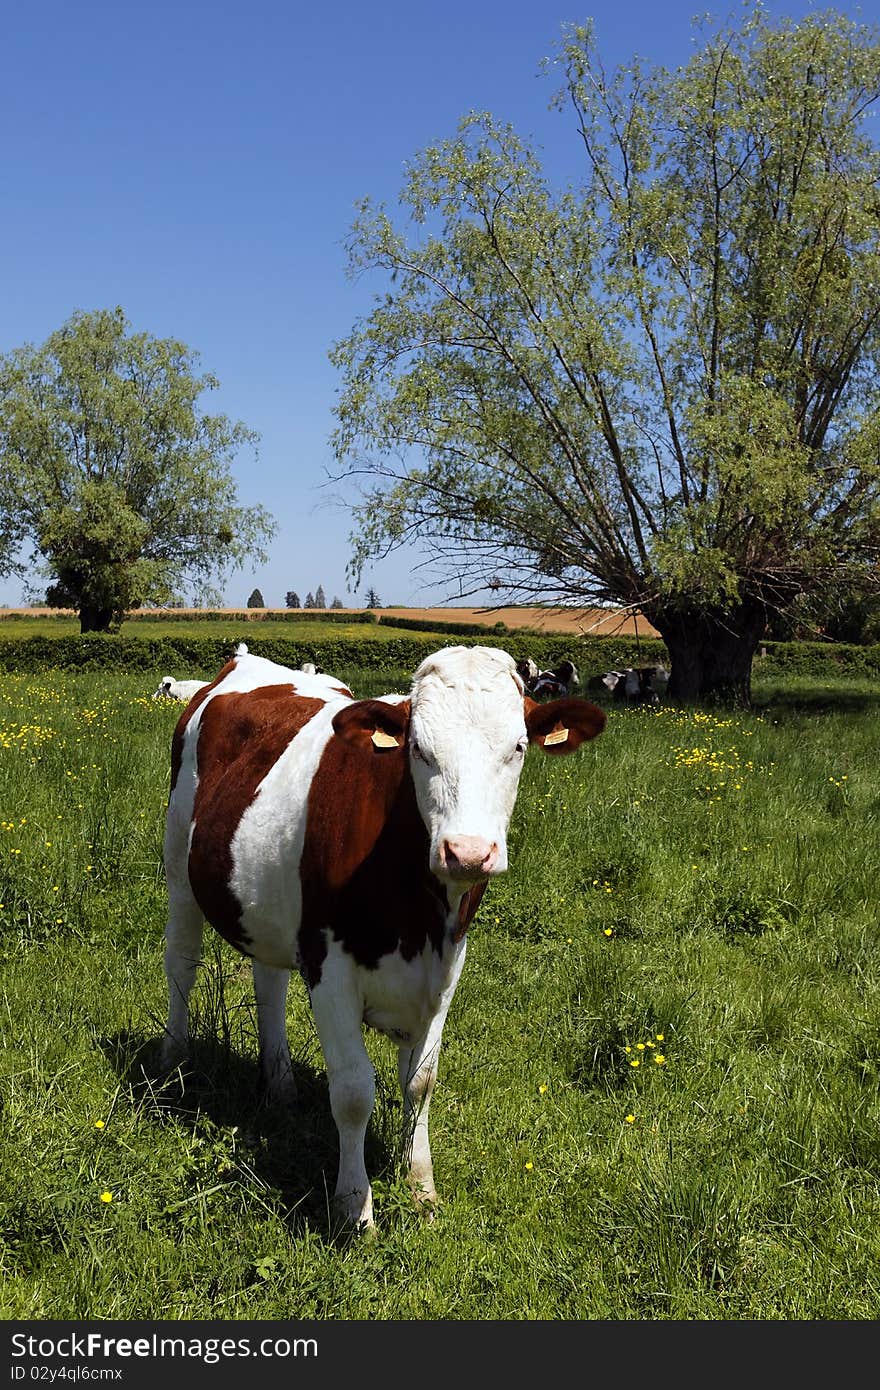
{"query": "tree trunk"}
[(711, 653), (94, 619)]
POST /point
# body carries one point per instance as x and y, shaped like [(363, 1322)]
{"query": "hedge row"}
[(453, 629), (199, 656), (210, 615)]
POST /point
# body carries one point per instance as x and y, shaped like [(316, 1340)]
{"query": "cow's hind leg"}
[(183, 951), (270, 989)]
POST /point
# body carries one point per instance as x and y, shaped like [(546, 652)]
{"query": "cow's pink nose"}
[(469, 856)]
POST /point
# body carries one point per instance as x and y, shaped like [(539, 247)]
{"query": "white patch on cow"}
[(467, 742)]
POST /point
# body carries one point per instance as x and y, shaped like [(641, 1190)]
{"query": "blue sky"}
[(200, 164)]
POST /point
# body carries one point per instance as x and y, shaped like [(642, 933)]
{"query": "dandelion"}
[(106, 1196), (659, 1058), (607, 931), (529, 1166), (99, 1124), (542, 1089), (634, 1062), (659, 1037), (640, 1047), (630, 1119)]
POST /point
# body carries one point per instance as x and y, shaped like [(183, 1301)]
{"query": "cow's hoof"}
[(280, 1088), (426, 1200), (173, 1054), (353, 1217)]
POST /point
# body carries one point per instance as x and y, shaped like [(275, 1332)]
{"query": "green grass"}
[(701, 884)]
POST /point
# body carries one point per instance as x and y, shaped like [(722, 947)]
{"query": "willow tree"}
[(113, 478), (657, 385)]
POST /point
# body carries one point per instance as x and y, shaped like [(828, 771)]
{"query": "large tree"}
[(657, 387), (112, 477)]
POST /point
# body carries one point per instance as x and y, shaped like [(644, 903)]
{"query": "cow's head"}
[(466, 727)]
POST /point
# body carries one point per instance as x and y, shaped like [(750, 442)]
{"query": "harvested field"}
[(583, 622)]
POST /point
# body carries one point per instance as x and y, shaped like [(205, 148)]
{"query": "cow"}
[(634, 684), (559, 681), (172, 689), (352, 841), (528, 671)]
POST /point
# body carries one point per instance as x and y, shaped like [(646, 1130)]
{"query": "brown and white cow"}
[(350, 840)]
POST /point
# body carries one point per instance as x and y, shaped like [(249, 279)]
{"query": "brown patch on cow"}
[(364, 868), (241, 737), (180, 728), (342, 690), (467, 908)]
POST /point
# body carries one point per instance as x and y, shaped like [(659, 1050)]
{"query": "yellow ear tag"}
[(383, 740), (557, 736)]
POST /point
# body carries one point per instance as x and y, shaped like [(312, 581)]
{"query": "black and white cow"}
[(350, 840), (634, 684)]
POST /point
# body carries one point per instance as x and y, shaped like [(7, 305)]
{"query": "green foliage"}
[(112, 473), (657, 384), (255, 599)]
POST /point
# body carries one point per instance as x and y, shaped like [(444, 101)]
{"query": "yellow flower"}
[(529, 1166), (634, 1062), (606, 931), (640, 1046), (659, 1037), (659, 1058), (630, 1119), (106, 1196), (99, 1124)]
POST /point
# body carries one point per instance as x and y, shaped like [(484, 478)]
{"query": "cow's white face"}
[(467, 743)]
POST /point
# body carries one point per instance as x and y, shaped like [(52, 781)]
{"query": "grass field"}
[(659, 1092)]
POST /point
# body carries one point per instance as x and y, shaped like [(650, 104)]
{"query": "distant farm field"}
[(659, 1094), (272, 623)]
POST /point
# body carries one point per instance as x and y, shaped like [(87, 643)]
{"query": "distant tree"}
[(113, 475), (372, 599), (309, 601), (337, 603), (291, 599), (320, 601), (256, 600)]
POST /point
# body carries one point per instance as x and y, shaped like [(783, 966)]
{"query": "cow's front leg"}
[(270, 990), (338, 1013), (417, 1070)]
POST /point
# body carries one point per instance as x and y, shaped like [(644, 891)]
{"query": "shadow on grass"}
[(791, 699), (289, 1150)]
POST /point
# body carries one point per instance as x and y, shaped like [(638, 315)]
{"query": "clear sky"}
[(199, 164)]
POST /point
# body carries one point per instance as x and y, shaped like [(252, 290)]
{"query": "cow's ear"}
[(561, 726), (373, 722)]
